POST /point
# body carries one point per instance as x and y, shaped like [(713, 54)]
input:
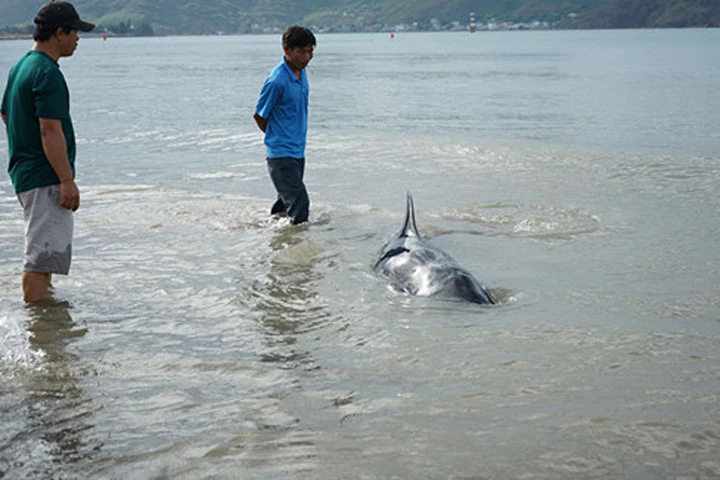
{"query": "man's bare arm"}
[(261, 122), (55, 149)]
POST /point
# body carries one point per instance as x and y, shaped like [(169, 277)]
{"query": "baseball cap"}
[(61, 14)]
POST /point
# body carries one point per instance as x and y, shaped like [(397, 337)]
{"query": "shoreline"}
[(28, 36), (16, 36)]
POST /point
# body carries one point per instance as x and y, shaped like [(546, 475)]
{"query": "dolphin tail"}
[(409, 228)]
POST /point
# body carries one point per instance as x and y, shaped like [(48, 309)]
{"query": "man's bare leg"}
[(35, 286)]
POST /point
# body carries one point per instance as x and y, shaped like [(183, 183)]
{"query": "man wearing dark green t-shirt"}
[(41, 144)]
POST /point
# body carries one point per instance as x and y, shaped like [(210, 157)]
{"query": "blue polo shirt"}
[(284, 103)]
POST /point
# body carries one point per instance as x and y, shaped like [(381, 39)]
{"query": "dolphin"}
[(414, 266)]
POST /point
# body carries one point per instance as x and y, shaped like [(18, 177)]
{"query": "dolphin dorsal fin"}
[(410, 227)]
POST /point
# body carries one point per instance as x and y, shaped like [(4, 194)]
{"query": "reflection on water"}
[(284, 303), (52, 329), (286, 298), (50, 409)]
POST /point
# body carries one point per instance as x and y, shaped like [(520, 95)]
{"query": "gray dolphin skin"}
[(414, 266)]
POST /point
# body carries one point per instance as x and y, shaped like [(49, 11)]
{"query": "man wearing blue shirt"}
[(281, 113)]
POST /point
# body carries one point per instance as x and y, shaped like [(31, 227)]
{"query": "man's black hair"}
[(297, 36), (44, 32)]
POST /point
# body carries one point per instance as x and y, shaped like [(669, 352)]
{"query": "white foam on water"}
[(16, 354)]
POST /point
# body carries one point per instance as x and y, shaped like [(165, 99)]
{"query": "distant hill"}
[(171, 17), (650, 14)]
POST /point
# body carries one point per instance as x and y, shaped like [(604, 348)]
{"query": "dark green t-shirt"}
[(35, 89)]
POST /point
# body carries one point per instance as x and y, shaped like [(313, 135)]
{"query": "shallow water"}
[(576, 173)]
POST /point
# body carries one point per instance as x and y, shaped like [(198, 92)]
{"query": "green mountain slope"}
[(651, 14), (245, 16), (15, 12)]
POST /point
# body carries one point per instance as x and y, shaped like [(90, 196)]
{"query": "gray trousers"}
[(287, 174)]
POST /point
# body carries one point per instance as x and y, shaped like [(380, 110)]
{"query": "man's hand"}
[(69, 195)]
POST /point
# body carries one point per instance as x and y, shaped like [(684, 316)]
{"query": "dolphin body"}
[(414, 266)]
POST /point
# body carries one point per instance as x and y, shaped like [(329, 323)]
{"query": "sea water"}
[(576, 173)]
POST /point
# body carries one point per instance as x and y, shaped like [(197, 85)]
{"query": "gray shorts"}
[(48, 231)]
